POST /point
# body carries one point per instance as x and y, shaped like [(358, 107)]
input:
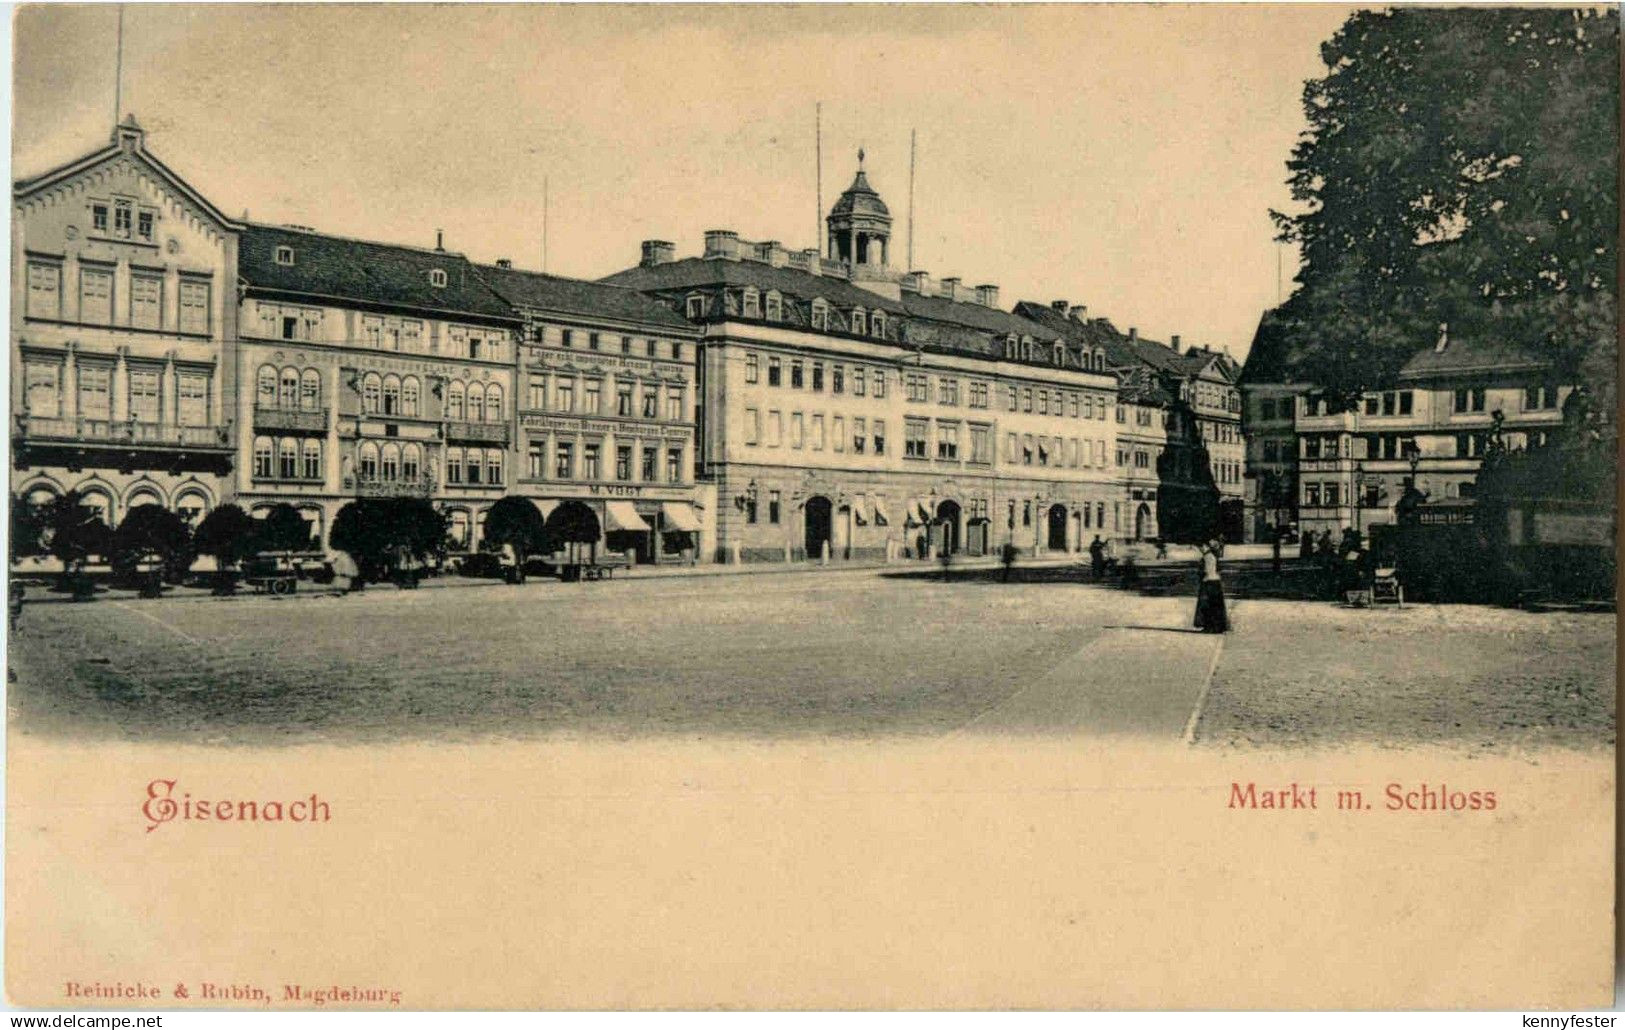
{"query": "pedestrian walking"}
[(1210, 613), (1097, 557)]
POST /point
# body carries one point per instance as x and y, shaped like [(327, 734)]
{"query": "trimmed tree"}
[(27, 528), (228, 535), (377, 533), (283, 529), (73, 532), (517, 523), (151, 531)]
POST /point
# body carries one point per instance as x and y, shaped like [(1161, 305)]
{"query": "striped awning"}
[(860, 509), (680, 517), (882, 516), (622, 515)]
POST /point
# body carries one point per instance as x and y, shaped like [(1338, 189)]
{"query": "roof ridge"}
[(306, 231)]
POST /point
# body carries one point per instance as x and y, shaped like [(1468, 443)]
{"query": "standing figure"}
[(1210, 613), (1097, 556)]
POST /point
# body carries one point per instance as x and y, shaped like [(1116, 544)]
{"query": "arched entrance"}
[(945, 530), (1057, 527), (1142, 521), (816, 516)]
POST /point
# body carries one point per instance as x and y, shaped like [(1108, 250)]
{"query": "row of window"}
[(288, 458), (1054, 451), (44, 387), (590, 466), (145, 306), (1226, 472), (1210, 396), (1219, 432), (859, 380), (130, 220), (751, 303), (605, 342), (387, 333), (1471, 400), (868, 436), (474, 466), (1138, 457), (629, 400)]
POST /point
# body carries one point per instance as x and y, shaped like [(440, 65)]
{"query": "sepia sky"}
[(1122, 157)]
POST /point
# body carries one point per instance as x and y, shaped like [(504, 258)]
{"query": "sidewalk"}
[(1144, 677)]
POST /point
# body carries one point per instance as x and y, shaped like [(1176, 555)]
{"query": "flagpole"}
[(118, 71)]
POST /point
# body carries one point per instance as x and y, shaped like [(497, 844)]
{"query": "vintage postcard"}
[(835, 507)]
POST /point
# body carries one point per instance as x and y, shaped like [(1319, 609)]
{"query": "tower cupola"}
[(860, 225)]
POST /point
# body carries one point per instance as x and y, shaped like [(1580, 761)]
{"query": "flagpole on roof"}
[(818, 161), (544, 222), (911, 266), (118, 70)]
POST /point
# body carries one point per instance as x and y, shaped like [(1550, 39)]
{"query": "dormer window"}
[(1026, 348), (775, 306), (1060, 354), (877, 324), (437, 277), (752, 307), (1010, 347), (858, 321), (820, 314), (284, 256), (696, 306)]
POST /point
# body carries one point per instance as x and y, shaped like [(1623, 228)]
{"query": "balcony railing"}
[(420, 486), (478, 432), (107, 431), (287, 419)]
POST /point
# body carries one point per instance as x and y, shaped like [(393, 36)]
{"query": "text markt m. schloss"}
[(1396, 797)]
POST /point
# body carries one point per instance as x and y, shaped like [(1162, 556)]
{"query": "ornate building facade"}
[(123, 327), (606, 413)]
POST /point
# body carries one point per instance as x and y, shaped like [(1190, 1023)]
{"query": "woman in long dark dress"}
[(1210, 613)]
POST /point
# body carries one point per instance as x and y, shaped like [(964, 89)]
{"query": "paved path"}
[(1147, 678)]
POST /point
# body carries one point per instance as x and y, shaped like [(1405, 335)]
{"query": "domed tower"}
[(860, 225)]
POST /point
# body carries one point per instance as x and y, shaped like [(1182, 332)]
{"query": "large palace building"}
[(852, 410)]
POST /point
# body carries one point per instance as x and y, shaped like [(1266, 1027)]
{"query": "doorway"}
[(816, 516), (945, 531), (1057, 527), (1142, 520)]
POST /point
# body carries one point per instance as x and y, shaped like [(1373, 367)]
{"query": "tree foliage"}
[(73, 531), (151, 531), (378, 532), (228, 534), (283, 529), (27, 528), (1459, 170), (515, 521)]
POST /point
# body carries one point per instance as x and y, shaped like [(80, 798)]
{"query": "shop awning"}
[(623, 516), (924, 510), (882, 517), (680, 517), (860, 510)]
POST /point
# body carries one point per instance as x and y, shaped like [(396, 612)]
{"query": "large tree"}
[(515, 521), (1460, 170), (377, 533)]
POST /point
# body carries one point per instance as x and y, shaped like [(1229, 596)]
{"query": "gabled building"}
[(606, 396), (371, 370), (123, 326), (1269, 403), (853, 410)]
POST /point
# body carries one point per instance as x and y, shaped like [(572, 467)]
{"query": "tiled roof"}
[(1139, 386), (579, 297), (371, 273), (704, 272), (1462, 355), (975, 316), (1121, 351)]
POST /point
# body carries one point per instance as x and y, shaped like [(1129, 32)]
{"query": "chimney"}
[(1133, 333), (1173, 343), (657, 252), (987, 295), (439, 239), (1078, 312), (772, 252), (950, 288), (914, 281), (814, 264), (1058, 305), (504, 263), (722, 243)]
